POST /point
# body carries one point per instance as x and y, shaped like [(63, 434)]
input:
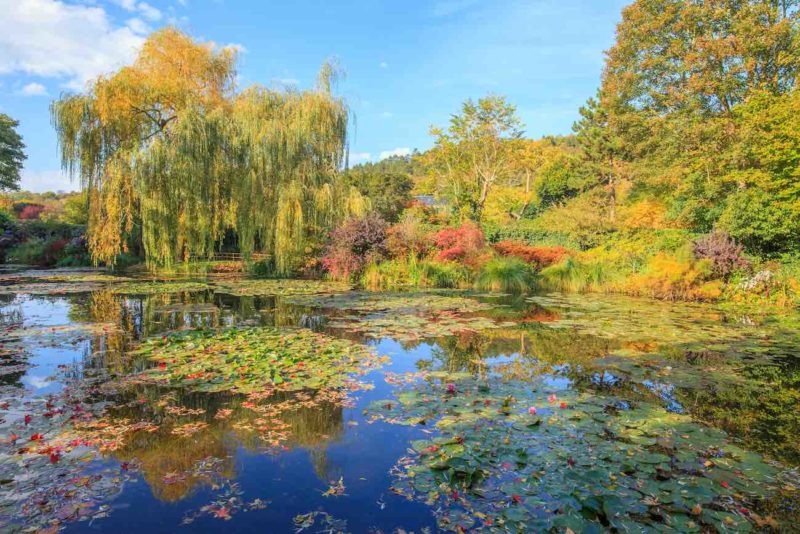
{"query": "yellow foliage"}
[(672, 278), (648, 214)]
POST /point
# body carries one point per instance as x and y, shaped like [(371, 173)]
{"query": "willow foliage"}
[(170, 151)]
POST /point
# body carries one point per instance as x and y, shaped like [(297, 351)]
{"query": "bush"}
[(672, 278), (28, 252), (458, 243), (75, 255), (540, 256), (355, 244), (408, 237), (410, 272), (508, 275), (527, 232), (725, 254)]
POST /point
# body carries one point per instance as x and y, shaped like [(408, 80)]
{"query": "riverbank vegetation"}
[(678, 181)]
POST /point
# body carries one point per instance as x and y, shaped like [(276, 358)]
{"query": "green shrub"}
[(28, 252), (528, 233), (506, 274), (75, 255), (411, 272)]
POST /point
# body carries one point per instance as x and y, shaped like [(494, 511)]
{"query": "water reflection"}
[(740, 373)]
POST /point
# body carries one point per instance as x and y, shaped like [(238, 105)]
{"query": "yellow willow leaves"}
[(172, 156)]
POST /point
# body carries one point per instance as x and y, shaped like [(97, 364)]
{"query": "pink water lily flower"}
[(451, 388), (552, 397), (532, 410)]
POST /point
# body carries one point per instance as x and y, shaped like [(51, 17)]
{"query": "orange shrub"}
[(671, 278), (541, 256), (458, 243)]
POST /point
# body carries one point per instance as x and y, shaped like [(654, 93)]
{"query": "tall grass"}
[(575, 275), (411, 272), (509, 275)]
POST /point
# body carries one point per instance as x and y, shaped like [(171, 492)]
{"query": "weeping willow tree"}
[(170, 153)]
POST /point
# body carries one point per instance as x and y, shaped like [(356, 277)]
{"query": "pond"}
[(303, 406)]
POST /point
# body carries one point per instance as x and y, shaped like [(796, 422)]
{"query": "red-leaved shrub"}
[(541, 256), (31, 212), (354, 244), (457, 244)]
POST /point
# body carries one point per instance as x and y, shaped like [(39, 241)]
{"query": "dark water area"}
[(567, 373)]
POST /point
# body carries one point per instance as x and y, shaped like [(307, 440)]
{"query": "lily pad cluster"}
[(252, 359), (158, 287), (278, 287), (515, 456), (404, 316)]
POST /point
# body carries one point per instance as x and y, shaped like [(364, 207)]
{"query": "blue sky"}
[(408, 64)]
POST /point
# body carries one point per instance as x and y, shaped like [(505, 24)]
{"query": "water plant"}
[(508, 275)]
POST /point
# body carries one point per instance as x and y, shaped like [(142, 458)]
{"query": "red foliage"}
[(354, 244), (541, 256), (31, 212), (458, 243), (53, 252)]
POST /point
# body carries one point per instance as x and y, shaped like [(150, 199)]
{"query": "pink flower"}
[(532, 410), (552, 397), (451, 388)]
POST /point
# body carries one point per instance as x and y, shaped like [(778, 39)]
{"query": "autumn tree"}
[(167, 149), (12, 153), (475, 153), (675, 89)]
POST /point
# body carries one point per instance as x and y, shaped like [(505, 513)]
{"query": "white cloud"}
[(384, 65), (137, 25), (238, 47), (359, 157), (41, 181), (400, 151), (149, 12), (143, 8), (33, 89), (49, 38)]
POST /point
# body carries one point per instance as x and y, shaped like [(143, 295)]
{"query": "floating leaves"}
[(253, 359), (578, 461)]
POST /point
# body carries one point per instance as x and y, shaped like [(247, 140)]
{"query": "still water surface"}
[(344, 466)]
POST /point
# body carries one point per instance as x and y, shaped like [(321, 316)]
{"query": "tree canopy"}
[(169, 150), (12, 153), (475, 153)]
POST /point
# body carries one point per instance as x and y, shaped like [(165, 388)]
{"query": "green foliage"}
[(576, 275), (29, 252), (475, 153), (761, 222), (408, 272), (166, 145), (387, 184), (506, 275), (527, 232), (12, 153)]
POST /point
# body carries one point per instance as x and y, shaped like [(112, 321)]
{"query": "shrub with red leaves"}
[(540, 256), (53, 252), (30, 212), (458, 243), (354, 244), (725, 253)]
